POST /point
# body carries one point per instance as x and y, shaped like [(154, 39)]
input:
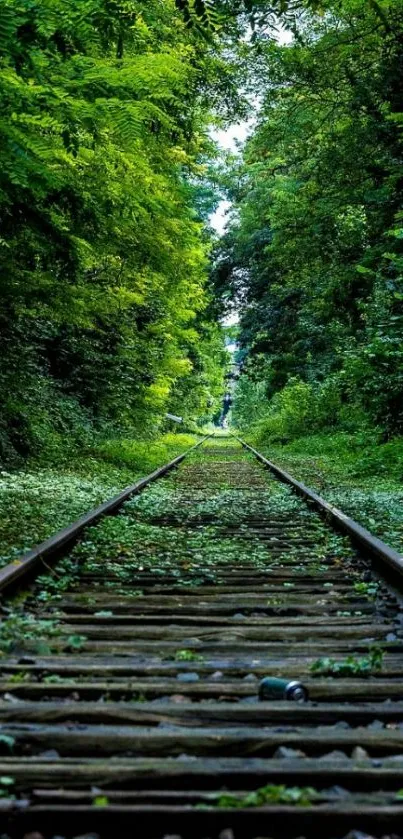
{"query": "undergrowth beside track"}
[(37, 501), (363, 481)]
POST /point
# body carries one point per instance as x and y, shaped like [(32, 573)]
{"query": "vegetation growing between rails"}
[(134, 540), (106, 568), (269, 794), (351, 666), (109, 176)]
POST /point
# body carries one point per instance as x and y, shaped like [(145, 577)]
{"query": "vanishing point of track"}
[(143, 717)]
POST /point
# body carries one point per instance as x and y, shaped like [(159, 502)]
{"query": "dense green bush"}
[(290, 412), (296, 410), (144, 455)]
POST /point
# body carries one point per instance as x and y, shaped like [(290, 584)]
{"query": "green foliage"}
[(188, 655), (351, 666), (36, 503), (292, 412), (144, 456), (199, 13), (100, 801), (355, 472), (20, 632), (370, 590), (54, 679), (134, 541), (103, 256), (6, 785), (208, 16), (269, 794), (75, 642), (313, 257), (18, 678)]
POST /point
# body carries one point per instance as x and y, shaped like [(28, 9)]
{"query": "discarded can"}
[(271, 688)]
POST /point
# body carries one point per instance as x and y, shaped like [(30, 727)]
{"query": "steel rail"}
[(62, 539), (336, 517)]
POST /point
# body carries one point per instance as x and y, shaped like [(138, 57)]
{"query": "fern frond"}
[(128, 119), (199, 13), (156, 75), (9, 22), (27, 142), (75, 22)]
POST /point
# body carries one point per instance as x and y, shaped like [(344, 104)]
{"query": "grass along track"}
[(130, 672)]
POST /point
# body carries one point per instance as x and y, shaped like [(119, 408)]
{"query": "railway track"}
[(130, 670)]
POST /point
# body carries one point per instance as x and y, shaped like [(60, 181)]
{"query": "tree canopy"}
[(313, 256), (104, 118)]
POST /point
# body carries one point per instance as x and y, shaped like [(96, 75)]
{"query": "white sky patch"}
[(231, 320), (229, 139), (219, 219), (232, 137), (284, 36)]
